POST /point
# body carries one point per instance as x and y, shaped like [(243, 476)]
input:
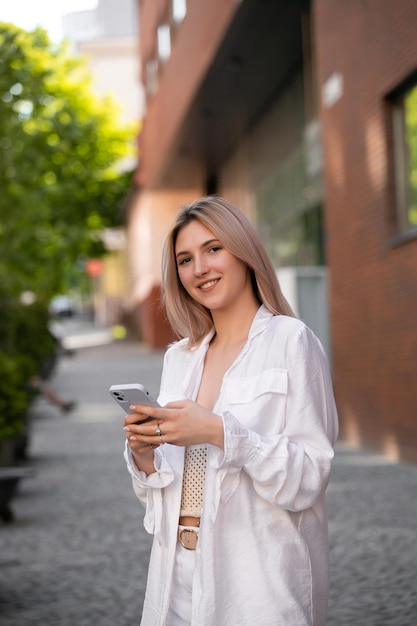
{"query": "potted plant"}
[(14, 402), (26, 346), (13, 408)]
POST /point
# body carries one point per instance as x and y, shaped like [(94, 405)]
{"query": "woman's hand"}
[(137, 445), (181, 423), (142, 452)]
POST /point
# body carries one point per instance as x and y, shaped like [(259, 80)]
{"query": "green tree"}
[(59, 150)]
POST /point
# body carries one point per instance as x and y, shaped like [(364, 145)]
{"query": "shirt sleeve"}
[(162, 476), (290, 469), (148, 488)]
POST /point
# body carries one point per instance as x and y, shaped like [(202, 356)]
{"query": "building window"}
[(164, 42), (179, 10), (403, 114)]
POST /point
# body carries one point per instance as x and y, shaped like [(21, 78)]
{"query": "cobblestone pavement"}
[(372, 507), (77, 554)]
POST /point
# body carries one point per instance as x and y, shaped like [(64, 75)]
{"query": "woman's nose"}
[(200, 267)]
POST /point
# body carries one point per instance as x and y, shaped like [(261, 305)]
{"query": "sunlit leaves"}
[(410, 112), (60, 146)]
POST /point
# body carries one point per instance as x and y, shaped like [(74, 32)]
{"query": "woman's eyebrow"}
[(203, 245)]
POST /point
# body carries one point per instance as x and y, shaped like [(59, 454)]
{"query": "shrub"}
[(14, 398), (26, 349)]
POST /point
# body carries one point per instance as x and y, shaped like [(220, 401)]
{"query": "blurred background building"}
[(304, 114), (107, 37)]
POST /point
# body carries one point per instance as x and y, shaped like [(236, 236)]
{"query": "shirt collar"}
[(259, 323)]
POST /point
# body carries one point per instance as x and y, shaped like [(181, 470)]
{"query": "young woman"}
[(235, 497)]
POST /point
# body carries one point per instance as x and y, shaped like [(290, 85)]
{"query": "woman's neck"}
[(232, 327)]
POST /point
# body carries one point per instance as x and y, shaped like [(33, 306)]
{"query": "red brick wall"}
[(373, 289)]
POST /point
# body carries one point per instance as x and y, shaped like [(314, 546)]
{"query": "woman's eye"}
[(184, 261), (215, 248)]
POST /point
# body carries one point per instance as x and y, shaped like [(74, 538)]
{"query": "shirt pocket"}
[(258, 402)]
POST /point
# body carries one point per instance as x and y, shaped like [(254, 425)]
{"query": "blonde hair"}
[(232, 228)]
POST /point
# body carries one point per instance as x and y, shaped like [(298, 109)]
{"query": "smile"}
[(209, 284)]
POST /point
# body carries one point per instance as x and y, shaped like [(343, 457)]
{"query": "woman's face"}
[(211, 274)]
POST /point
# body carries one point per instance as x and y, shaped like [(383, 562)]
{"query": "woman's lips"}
[(209, 284)]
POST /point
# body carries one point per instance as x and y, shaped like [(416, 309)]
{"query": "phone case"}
[(126, 395)]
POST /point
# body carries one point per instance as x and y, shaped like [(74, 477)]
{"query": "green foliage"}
[(59, 147), (26, 349), (13, 398), (410, 110), (59, 186)]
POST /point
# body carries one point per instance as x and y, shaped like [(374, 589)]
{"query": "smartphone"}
[(126, 395)]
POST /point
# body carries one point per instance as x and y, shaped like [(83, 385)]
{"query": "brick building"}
[(371, 225), (302, 113)]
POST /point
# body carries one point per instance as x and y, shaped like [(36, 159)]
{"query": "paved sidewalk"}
[(372, 508), (77, 553)]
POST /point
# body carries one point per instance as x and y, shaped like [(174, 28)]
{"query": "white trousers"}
[(179, 613)]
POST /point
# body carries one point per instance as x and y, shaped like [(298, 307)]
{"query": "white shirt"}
[(262, 553)]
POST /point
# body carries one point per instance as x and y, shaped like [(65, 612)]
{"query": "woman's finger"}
[(136, 418)]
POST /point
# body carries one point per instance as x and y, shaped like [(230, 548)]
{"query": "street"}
[(77, 553)]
